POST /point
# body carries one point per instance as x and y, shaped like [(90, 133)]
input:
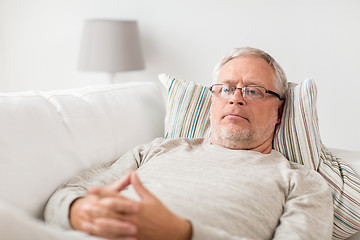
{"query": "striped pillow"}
[(297, 137), (188, 107)]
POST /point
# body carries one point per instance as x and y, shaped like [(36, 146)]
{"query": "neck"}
[(264, 147)]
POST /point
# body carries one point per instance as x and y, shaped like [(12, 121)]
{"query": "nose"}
[(237, 97)]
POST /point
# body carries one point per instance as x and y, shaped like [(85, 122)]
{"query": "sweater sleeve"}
[(308, 210), (58, 207)]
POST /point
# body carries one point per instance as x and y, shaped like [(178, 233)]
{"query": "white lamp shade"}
[(110, 46)]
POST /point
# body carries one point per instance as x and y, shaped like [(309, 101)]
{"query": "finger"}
[(143, 192), (86, 211), (121, 183), (95, 212), (113, 200), (94, 190), (102, 191), (116, 186), (110, 228), (120, 204), (92, 210)]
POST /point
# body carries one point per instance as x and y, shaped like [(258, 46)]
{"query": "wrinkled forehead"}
[(245, 71)]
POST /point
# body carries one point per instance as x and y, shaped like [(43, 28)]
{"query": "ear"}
[(280, 111)]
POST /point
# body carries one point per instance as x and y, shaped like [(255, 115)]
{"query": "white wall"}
[(39, 42)]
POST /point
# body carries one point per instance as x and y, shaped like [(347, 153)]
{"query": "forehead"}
[(247, 70)]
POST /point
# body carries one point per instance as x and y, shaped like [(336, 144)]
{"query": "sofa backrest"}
[(48, 137)]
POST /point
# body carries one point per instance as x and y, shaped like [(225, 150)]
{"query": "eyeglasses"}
[(249, 92)]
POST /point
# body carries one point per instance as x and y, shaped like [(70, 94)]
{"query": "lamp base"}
[(111, 76)]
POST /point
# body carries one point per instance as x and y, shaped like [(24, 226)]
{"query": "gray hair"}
[(281, 84)]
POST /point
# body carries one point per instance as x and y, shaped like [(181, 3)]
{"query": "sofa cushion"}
[(48, 137), (16, 224)]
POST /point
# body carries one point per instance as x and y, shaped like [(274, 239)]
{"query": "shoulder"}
[(300, 174), (162, 145), (292, 166)]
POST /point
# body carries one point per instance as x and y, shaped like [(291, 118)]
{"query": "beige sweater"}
[(226, 194)]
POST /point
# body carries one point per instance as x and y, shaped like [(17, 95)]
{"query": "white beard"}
[(235, 139), (243, 138)]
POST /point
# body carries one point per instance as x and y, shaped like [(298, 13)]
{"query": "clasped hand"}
[(105, 213)]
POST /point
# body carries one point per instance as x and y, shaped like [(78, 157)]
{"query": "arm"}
[(57, 208), (308, 211), (105, 213), (72, 199)]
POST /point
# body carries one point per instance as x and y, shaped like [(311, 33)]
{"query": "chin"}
[(231, 138), (236, 135)]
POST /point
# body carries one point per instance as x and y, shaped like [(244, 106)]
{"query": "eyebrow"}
[(246, 83)]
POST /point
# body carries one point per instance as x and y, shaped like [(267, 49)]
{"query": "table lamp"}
[(110, 46)]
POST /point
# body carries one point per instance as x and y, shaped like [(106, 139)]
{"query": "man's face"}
[(240, 123)]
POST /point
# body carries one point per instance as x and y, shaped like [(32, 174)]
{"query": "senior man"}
[(231, 186)]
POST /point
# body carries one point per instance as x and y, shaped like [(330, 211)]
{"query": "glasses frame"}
[(243, 90)]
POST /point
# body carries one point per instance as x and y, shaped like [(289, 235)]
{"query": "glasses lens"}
[(250, 92), (256, 93), (222, 90), (216, 89), (226, 90)]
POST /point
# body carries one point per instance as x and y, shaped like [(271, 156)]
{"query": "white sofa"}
[(48, 137)]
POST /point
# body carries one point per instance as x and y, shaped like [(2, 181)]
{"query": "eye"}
[(226, 88), (255, 92)]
